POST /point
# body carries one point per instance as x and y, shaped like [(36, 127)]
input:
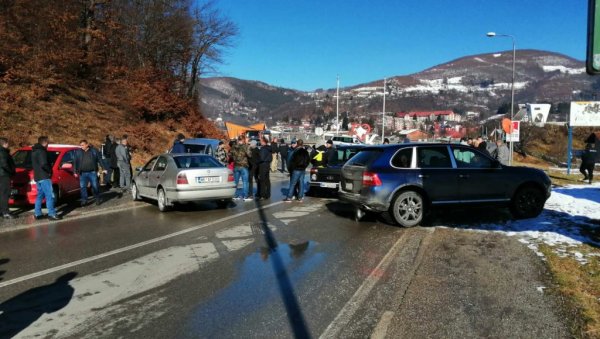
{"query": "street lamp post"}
[(337, 107), (512, 87)]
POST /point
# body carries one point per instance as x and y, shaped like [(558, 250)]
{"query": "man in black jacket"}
[(254, 161), (283, 153), (298, 164), (106, 159), (589, 158), (7, 170), (42, 175), (266, 157), (114, 166), (85, 166)]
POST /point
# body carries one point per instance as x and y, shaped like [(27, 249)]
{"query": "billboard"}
[(514, 136), (585, 113), (538, 113)]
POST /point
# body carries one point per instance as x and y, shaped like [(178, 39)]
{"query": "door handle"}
[(464, 176)]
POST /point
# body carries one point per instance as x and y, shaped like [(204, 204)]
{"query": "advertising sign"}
[(585, 113), (514, 136)]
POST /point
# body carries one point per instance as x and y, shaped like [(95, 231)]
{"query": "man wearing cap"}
[(329, 155)]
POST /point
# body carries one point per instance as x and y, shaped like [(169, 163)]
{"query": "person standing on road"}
[(42, 175), (178, 146), (254, 161), (7, 170), (330, 153), (503, 152), (240, 154), (114, 166), (275, 155), (124, 164), (283, 154), (222, 154), (106, 159), (481, 145), (265, 159), (85, 166), (298, 164), (589, 158)]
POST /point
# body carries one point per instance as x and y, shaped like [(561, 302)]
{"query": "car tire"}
[(163, 204), (528, 202), (135, 194), (408, 209)]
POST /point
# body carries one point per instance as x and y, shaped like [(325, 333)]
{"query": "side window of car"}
[(161, 164), (433, 157), (403, 158), (466, 158), (67, 158), (150, 164)]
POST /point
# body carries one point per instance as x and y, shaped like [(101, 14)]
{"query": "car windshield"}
[(364, 158), (191, 148), (23, 158), (196, 161)]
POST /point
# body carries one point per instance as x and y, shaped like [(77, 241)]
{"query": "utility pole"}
[(383, 113), (337, 107)]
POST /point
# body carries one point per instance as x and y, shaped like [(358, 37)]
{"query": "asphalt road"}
[(273, 270)]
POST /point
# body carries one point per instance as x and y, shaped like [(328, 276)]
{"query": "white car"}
[(173, 178)]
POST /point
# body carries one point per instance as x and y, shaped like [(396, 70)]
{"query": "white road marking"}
[(97, 291), (382, 326), (357, 300), (238, 244), (128, 248)]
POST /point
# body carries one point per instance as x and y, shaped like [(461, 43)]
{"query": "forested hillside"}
[(85, 68)]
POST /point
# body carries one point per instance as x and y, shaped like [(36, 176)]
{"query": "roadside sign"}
[(593, 43), (514, 135), (584, 113)]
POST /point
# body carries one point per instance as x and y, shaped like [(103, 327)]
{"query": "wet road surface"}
[(272, 270)]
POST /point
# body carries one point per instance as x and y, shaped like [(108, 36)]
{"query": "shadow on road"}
[(591, 193), (292, 307), (21, 311), (2, 262)]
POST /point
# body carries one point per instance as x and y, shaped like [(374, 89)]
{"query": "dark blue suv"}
[(406, 180)]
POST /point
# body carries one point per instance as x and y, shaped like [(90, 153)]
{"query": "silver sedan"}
[(172, 178)]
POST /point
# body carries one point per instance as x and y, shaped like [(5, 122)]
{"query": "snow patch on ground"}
[(563, 69), (571, 217)]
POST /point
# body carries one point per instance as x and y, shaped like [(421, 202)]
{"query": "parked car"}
[(346, 140), (23, 187), (328, 178), (174, 178), (409, 179), (201, 146)]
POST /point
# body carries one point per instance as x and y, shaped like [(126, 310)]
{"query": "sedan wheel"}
[(162, 201), (408, 209), (528, 202), (134, 192)]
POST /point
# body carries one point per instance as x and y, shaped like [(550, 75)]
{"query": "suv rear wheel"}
[(528, 202), (408, 208)]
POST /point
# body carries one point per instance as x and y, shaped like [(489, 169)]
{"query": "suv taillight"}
[(230, 178), (314, 171), (370, 179), (182, 179)]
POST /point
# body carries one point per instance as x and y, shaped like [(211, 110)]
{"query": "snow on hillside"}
[(570, 218), (454, 83), (563, 69)]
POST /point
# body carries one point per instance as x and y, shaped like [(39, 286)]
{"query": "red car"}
[(23, 187)]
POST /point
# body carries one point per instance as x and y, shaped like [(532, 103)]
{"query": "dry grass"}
[(580, 284)]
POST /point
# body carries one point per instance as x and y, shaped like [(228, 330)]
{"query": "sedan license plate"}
[(208, 180), (328, 185), (349, 186)]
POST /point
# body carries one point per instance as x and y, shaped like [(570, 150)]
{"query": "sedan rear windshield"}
[(23, 159), (343, 155), (196, 161), (365, 157)]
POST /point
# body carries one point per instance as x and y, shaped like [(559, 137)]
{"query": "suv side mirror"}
[(67, 166)]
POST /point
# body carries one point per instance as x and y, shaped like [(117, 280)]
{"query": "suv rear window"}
[(190, 148), (433, 157), (196, 161), (403, 159), (365, 157), (23, 158)]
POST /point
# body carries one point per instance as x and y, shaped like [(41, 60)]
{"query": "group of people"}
[(114, 161), (497, 150)]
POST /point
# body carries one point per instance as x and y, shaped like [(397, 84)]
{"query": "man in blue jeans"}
[(298, 164), (85, 166), (42, 175)]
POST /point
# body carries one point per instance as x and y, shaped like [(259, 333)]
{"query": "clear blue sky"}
[(304, 44)]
